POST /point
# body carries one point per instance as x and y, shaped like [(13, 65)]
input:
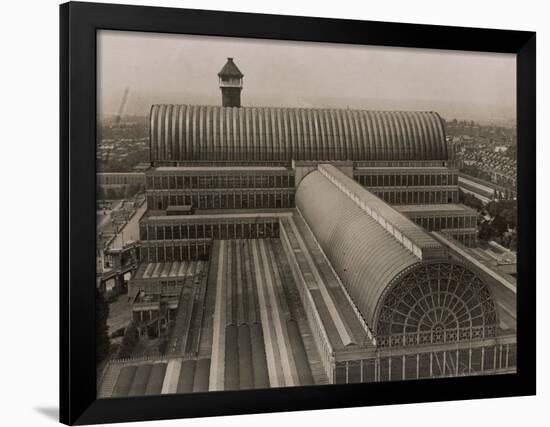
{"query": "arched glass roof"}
[(365, 256), (192, 132), (405, 296)]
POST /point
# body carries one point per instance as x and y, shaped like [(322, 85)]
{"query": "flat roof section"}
[(445, 208)]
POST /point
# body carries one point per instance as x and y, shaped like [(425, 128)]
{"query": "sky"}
[(169, 68)]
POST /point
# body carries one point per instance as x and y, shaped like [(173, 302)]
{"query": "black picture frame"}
[(78, 25)]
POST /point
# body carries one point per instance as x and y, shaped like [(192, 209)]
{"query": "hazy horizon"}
[(168, 68)]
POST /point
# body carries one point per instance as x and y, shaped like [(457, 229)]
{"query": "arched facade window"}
[(435, 303)]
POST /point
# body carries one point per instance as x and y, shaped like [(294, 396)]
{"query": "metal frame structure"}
[(435, 303)]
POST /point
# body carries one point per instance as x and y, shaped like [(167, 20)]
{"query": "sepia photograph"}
[(278, 213)]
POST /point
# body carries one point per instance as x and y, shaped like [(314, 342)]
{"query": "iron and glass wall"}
[(442, 220), (223, 228), (475, 358), (157, 180), (416, 195), (407, 178), (243, 190), (410, 186), (175, 250), (178, 240), (222, 199), (460, 226)]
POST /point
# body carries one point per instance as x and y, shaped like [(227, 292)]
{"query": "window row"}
[(223, 200), (409, 180), (438, 222), (396, 197), (254, 230), (185, 252), (120, 179), (180, 182)]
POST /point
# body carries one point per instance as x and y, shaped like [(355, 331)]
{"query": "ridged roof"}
[(187, 132), (364, 254)]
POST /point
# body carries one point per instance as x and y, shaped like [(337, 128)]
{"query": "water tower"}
[(231, 84)]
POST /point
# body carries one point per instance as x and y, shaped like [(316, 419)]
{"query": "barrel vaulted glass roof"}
[(192, 132), (364, 255)]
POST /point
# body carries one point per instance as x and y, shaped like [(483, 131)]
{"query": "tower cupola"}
[(231, 84)]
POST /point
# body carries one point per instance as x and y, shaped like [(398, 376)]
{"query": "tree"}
[(101, 330), (486, 231), (499, 225), (129, 341), (493, 208), (510, 216)]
